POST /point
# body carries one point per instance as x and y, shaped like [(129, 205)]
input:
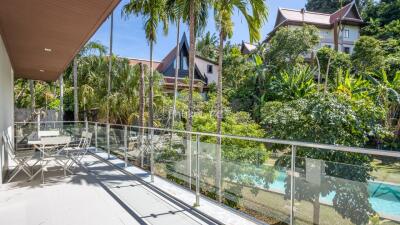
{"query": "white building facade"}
[(339, 30)]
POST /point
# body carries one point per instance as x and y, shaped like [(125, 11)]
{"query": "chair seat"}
[(73, 149), (55, 157)]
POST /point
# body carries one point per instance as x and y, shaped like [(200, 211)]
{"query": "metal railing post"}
[(189, 161), (108, 139), (292, 187), (197, 171), (142, 148), (95, 134), (38, 123), (152, 155), (218, 170), (126, 145)]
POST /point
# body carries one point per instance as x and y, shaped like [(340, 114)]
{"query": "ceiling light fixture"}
[(47, 49), (41, 71)]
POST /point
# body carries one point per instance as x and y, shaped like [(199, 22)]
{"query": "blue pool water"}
[(384, 198)]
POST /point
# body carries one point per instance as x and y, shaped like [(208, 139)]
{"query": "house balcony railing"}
[(268, 179)]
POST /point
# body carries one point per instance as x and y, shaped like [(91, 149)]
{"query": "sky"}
[(129, 38)]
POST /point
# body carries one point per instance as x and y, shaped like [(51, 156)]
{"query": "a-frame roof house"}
[(167, 65)]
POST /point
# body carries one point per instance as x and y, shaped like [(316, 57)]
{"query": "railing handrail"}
[(369, 151)]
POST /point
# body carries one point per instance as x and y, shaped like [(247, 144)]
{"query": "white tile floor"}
[(104, 195)]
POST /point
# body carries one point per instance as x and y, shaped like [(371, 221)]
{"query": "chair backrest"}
[(86, 134), (88, 138), (61, 140), (9, 146), (54, 145), (49, 133)]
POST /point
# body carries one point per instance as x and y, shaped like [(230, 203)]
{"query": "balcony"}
[(134, 175)]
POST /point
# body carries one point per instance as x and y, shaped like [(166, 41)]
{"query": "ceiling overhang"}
[(43, 36)]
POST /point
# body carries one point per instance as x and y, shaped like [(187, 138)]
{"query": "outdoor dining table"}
[(40, 144)]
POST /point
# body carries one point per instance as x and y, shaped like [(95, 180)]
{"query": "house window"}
[(346, 33), (346, 50), (184, 63), (324, 34), (209, 69)]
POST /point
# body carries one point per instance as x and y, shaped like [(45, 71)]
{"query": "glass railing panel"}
[(92, 130), (353, 189), (116, 136), (73, 129), (172, 157), (102, 137), (207, 167), (134, 152), (23, 132), (253, 179), (384, 189)]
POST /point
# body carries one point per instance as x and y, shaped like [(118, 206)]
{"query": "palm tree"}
[(223, 11), (154, 12), (89, 48), (141, 99), (196, 13), (206, 46), (32, 92), (175, 15), (75, 72), (61, 80)]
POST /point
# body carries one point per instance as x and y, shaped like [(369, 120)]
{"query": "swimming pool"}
[(384, 198)]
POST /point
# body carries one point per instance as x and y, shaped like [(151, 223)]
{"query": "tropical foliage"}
[(274, 92)]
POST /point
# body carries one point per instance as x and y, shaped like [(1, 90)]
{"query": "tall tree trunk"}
[(110, 66), (177, 65), (32, 91), (192, 50), (84, 110), (141, 96), (219, 117), (151, 89), (61, 97), (319, 72), (327, 75), (141, 109), (75, 71)]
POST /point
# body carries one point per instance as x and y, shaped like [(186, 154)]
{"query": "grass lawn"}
[(387, 170)]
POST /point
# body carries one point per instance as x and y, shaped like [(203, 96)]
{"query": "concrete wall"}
[(6, 104)]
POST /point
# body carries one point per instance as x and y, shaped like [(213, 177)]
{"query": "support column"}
[(95, 134), (197, 203), (108, 140), (152, 155), (126, 145), (189, 160), (292, 184)]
